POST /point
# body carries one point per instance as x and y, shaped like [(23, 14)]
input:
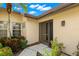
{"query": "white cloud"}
[(32, 12), (45, 9), (17, 8), (41, 7), (34, 6)]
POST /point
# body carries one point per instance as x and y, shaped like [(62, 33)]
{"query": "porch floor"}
[(32, 50)]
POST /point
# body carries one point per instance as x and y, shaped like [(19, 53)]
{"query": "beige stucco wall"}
[(69, 34), (15, 17), (31, 25), (32, 30)]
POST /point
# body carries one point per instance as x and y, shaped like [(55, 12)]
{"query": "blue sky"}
[(35, 9)]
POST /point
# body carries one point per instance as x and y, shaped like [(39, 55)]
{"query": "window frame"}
[(21, 27)]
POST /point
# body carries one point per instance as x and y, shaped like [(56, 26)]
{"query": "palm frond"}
[(24, 7), (0, 4)]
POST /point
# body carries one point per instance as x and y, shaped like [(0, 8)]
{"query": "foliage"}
[(1, 46), (61, 47), (6, 51), (77, 52), (23, 43), (18, 37), (55, 48), (24, 7), (13, 43), (16, 43)]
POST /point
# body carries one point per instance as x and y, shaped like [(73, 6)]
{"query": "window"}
[(3, 29), (16, 29)]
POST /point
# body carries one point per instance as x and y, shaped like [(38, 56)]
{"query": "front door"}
[(46, 32)]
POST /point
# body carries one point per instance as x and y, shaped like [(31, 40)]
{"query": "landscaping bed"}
[(12, 46)]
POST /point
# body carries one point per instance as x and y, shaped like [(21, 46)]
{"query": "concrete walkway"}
[(32, 51)]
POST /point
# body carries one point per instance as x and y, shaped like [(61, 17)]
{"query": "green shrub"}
[(1, 46), (13, 43), (61, 47), (55, 48), (23, 43), (3, 40), (6, 51), (77, 51), (16, 43), (18, 37)]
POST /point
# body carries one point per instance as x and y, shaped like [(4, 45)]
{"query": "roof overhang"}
[(61, 7)]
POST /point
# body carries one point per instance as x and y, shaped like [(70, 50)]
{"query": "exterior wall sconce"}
[(63, 23)]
